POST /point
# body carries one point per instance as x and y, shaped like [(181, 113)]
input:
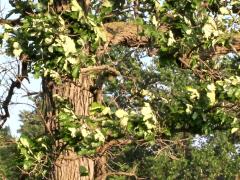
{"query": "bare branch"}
[(15, 84)]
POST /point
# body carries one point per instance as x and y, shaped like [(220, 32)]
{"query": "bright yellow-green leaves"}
[(123, 116), (148, 113), (17, 49), (121, 113), (211, 88), (234, 130), (24, 141), (230, 86), (73, 131), (67, 43), (189, 108), (147, 94), (107, 3), (171, 39), (53, 74), (224, 10), (194, 94), (99, 135), (75, 7), (210, 28), (32, 154)]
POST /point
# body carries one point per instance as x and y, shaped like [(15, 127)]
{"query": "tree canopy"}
[(118, 73)]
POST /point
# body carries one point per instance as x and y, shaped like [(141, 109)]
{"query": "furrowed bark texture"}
[(67, 165)]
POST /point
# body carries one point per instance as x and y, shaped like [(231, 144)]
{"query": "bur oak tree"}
[(121, 72)]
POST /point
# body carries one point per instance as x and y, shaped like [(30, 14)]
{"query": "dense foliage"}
[(156, 63)]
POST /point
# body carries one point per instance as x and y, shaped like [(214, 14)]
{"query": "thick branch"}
[(129, 34), (12, 22), (102, 68), (125, 33), (221, 50)]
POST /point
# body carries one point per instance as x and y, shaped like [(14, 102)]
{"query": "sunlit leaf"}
[(124, 121), (120, 113), (107, 3), (106, 111), (73, 131), (24, 141), (99, 136), (224, 10), (189, 108), (234, 130), (171, 39)]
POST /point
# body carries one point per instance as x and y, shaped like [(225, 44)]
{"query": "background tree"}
[(10, 161), (96, 91)]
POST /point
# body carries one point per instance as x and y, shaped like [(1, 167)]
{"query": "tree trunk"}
[(67, 165)]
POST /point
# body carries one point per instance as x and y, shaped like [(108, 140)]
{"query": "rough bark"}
[(67, 165)]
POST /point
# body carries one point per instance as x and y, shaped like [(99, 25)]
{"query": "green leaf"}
[(68, 45), (75, 6), (17, 52), (224, 10), (120, 113), (73, 131), (83, 171), (106, 111), (124, 121), (211, 94), (234, 130), (84, 131), (27, 164), (96, 106), (189, 108), (107, 3), (25, 141), (99, 136), (75, 71), (146, 110), (194, 93), (72, 60), (171, 39)]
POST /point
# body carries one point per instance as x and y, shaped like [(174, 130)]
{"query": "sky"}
[(21, 102)]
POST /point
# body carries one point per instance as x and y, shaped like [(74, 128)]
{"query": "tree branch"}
[(221, 50), (97, 69), (12, 22), (128, 34), (125, 33), (5, 104), (101, 150)]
